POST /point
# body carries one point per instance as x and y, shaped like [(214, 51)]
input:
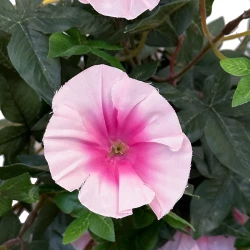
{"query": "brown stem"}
[(174, 57), (32, 216), (13, 242), (225, 31)]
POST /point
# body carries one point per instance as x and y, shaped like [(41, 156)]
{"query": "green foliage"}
[(44, 46), (239, 67), (73, 43)]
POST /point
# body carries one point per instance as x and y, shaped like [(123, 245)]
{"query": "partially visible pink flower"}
[(82, 242), (183, 241), (239, 216), (128, 9), (119, 141)]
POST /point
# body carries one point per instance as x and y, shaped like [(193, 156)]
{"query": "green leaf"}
[(5, 205), (4, 57), (42, 73), (242, 93), (69, 203), (73, 43), (76, 229), (20, 188), (19, 102), (236, 66), (47, 214), (113, 61), (9, 227), (229, 141), (143, 217), (216, 197), (17, 169), (144, 72), (102, 227), (157, 17), (12, 139), (176, 221)]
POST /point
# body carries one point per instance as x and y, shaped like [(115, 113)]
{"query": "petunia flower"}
[(118, 141), (128, 9), (184, 241), (82, 242)]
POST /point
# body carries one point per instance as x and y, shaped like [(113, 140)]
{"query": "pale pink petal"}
[(132, 191), (163, 171), (216, 243), (145, 115), (181, 241), (101, 197), (82, 242), (89, 93), (240, 217), (68, 148), (128, 9)]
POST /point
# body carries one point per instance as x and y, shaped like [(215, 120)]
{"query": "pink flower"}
[(119, 141), (128, 9), (82, 242), (186, 242), (240, 217)]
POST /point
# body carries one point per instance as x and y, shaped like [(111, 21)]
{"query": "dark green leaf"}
[(143, 217), (102, 226), (9, 227), (144, 72), (20, 188), (176, 221), (215, 202), (157, 17), (14, 170), (5, 205), (229, 141), (42, 73), (12, 139), (19, 102)]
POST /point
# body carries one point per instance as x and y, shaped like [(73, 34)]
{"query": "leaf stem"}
[(205, 30), (137, 51), (231, 37), (229, 27), (32, 216)]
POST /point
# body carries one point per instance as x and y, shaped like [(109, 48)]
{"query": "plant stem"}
[(174, 57), (32, 216), (206, 31), (231, 37), (229, 27), (137, 51)]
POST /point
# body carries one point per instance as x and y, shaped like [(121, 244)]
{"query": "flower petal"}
[(216, 243), (128, 9), (101, 195), (133, 192), (145, 115), (90, 94), (163, 171), (68, 148)]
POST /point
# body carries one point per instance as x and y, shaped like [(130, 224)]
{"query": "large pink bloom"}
[(128, 9), (119, 141), (186, 242)]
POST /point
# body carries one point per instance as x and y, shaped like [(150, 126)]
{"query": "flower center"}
[(118, 148)]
